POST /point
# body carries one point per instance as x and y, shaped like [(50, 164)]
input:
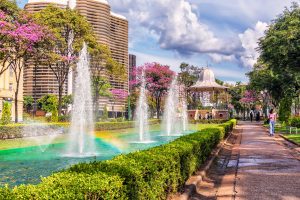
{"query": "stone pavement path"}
[(252, 166), (266, 169)]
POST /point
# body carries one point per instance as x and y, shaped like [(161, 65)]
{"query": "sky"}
[(220, 34)]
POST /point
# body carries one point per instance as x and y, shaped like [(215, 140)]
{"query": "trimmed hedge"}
[(208, 121), (16, 130), (65, 185), (102, 126), (148, 174), (295, 122)]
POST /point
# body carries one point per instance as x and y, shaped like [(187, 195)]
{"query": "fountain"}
[(175, 112), (185, 121), (42, 134), (81, 140), (142, 113)]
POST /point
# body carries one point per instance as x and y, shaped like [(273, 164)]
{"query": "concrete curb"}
[(291, 141), (191, 184)]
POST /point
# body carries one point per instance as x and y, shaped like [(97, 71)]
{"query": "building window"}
[(11, 72), (10, 87)]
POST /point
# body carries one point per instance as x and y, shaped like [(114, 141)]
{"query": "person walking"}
[(251, 115), (272, 118)]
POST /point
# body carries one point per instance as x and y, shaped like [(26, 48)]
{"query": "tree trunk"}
[(96, 107), (60, 88), (157, 108), (16, 104)]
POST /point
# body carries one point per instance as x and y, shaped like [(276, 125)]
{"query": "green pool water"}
[(27, 165)]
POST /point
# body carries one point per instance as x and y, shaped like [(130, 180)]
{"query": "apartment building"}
[(110, 29), (7, 93)]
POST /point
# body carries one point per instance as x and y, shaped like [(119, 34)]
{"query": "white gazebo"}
[(205, 88)]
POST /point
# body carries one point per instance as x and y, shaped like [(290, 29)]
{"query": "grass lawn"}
[(293, 137)]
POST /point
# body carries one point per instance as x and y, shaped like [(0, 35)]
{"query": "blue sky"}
[(222, 34)]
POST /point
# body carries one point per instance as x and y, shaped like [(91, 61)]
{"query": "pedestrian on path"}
[(251, 115), (272, 118)]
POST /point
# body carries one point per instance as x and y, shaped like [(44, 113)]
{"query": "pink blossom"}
[(119, 93)]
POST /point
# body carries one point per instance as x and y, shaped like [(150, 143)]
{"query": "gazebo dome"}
[(207, 82), (207, 75)]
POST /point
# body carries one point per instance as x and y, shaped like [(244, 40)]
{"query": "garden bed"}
[(148, 174)]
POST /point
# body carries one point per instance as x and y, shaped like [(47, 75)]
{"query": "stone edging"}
[(191, 184), (291, 141)]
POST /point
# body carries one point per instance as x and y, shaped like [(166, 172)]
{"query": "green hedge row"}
[(149, 174), (17, 130), (208, 121), (101, 126)]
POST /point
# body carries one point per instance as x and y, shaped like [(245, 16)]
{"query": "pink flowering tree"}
[(158, 78), (248, 99), (118, 95), (19, 38), (71, 30)]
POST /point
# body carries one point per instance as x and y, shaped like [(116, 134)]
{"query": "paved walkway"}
[(266, 168), (252, 166)]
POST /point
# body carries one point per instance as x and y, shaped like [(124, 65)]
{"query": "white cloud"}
[(249, 40), (217, 58), (176, 25)]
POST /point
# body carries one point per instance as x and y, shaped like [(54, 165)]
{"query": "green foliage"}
[(205, 121), (6, 113), (188, 74), (66, 101), (102, 126), (28, 102), (105, 114), (48, 103), (285, 109), (54, 115), (236, 94), (65, 185), (154, 173), (278, 68), (295, 122)]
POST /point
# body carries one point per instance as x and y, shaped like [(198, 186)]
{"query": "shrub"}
[(54, 115), (65, 185), (153, 173), (6, 113), (295, 121), (148, 174)]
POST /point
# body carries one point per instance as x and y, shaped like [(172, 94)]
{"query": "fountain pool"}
[(27, 164)]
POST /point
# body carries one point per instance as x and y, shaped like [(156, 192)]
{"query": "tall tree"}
[(71, 30), (103, 67), (280, 51), (9, 12), (158, 79), (21, 36)]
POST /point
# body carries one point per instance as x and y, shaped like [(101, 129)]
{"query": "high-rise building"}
[(7, 93), (132, 67), (110, 29)]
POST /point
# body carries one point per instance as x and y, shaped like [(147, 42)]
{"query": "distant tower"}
[(132, 67)]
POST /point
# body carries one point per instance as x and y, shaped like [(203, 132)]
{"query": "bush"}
[(64, 118), (6, 113), (149, 174), (295, 122), (65, 185), (101, 126), (210, 121), (153, 173)]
